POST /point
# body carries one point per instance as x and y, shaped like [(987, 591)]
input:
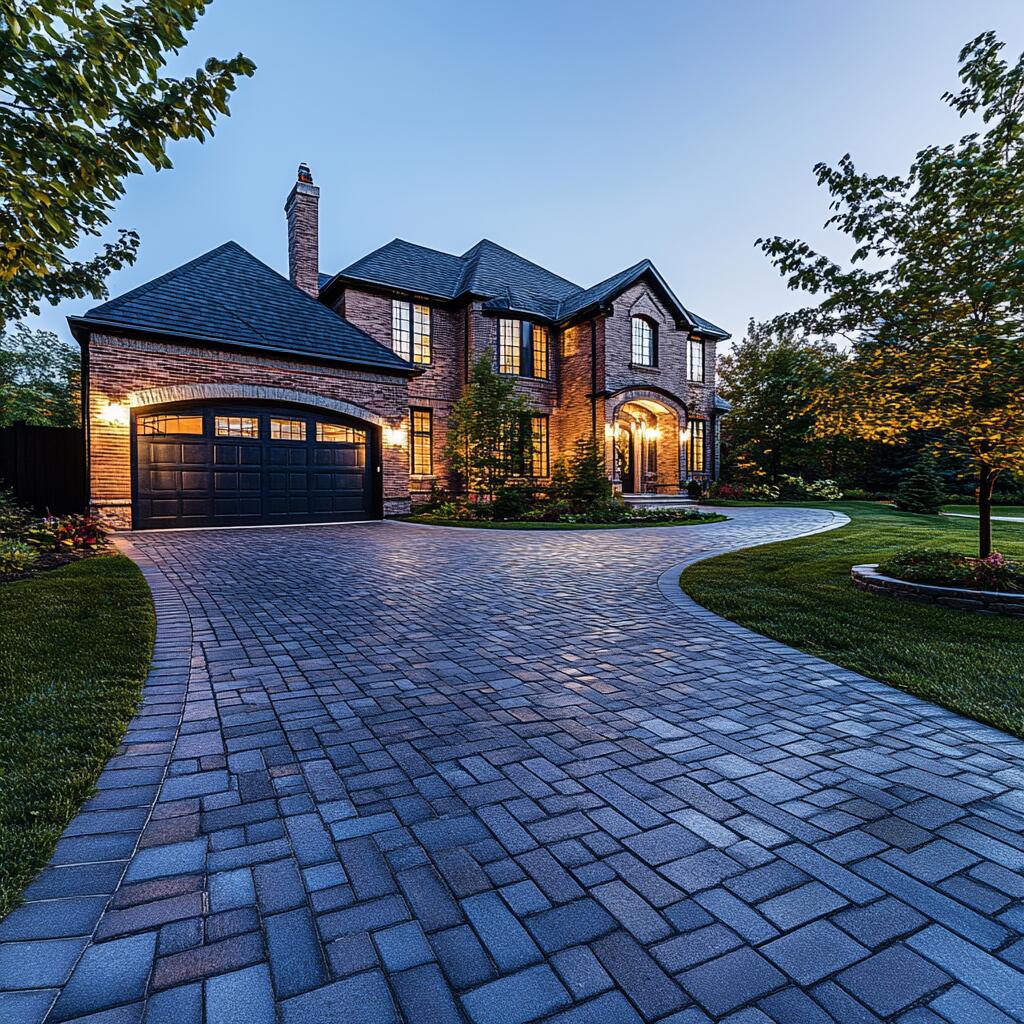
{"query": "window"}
[(523, 349), (644, 350), (335, 432), (421, 448), (695, 360), (236, 426), (410, 330), (153, 425), (695, 454), (509, 346), (539, 448), (287, 430)]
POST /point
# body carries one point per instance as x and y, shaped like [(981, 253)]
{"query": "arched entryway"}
[(644, 429)]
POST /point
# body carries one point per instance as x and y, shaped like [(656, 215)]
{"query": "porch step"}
[(658, 500)]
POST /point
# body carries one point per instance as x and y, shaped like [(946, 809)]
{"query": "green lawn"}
[(75, 646), (490, 524), (800, 592)]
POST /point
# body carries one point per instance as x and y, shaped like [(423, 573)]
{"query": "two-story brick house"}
[(223, 394)]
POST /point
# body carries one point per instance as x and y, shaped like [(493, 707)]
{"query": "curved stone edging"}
[(985, 602)]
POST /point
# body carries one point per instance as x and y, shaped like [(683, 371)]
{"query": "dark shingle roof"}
[(507, 281), (229, 296)]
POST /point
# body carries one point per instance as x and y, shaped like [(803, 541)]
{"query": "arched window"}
[(645, 342)]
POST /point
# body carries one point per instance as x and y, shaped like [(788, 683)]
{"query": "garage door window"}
[(287, 430), (237, 426), (335, 432), (151, 426)]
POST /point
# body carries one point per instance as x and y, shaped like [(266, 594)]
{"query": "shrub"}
[(922, 491), (15, 556), (66, 533), (694, 489), (579, 479), (13, 518), (512, 501), (763, 492), (728, 492), (454, 510), (858, 494), (824, 490), (952, 569)]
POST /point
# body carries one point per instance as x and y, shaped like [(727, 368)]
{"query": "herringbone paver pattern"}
[(393, 773)]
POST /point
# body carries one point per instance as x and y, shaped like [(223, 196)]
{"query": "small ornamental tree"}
[(579, 479), (488, 442), (922, 491), (933, 295), (83, 105)]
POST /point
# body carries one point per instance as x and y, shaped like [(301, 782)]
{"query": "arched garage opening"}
[(238, 459)]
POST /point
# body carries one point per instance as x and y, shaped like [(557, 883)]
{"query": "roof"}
[(228, 296), (507, 281)]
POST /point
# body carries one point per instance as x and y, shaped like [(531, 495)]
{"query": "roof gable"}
[(228, 296)]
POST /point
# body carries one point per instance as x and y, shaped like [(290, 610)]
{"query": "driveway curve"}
[(395, 773)]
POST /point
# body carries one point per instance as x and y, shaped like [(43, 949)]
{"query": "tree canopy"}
[(40, 379), (83, 104), (932, 296)]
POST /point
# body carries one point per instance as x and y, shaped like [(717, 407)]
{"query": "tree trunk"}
[(985, 484)]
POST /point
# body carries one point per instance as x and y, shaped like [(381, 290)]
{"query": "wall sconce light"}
[(652, 433), (114, 414), (395, 436), (684, 435)]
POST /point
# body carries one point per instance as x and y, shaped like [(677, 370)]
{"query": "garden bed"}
[(631, 522), (987, 602)]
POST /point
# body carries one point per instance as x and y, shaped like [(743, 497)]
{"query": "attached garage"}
[(240, 464)]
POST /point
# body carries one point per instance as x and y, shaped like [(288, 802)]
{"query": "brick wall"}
[(574, 416), (117, 367)]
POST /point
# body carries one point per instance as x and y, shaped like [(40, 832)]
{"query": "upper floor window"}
[(410, 330), (645, 349), (695, 360), (523, 348)]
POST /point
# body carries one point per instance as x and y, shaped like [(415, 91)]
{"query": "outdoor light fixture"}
[(684, 434), (114, 414), (395, 436), (652, 433)]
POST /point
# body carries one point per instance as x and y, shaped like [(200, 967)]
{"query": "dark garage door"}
[(219, 464)]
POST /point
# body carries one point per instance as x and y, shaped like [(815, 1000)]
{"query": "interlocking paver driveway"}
[(418, 774)]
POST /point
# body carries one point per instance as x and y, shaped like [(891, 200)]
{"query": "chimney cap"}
[(305, 174)]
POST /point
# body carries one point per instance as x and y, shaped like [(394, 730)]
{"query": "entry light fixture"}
[(652, 433), (114, 414), (395, 436)]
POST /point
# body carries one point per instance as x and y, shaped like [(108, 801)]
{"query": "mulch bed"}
[(46, 561)]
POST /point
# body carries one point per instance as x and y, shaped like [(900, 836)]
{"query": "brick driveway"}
[(404, 773)]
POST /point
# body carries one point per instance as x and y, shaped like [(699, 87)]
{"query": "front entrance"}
[(646, 444), (625, 457), (240, 464)]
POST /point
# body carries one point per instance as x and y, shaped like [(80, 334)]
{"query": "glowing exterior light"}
[(652, 433), (114, 414), (395, 436)]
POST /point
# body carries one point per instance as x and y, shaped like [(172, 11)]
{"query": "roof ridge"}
[(141, 289)]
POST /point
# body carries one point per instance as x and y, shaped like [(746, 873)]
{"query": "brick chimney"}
[(304, 233)]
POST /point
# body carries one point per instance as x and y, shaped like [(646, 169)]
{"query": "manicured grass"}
[(489, 524), (75, 647), (800, 592)]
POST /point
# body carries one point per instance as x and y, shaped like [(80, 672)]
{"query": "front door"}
[(625, 454)]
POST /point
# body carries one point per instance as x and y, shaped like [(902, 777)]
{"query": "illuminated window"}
[(421, 448), (509, 346), (539, 350), (410, 330), (151, 426), (695, 360), (540, 452), (643, 352), (335, 432), (523, 348), (236, 426), (696, 449), (287, 430)]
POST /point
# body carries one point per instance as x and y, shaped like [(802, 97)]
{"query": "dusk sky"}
[(583, 135)]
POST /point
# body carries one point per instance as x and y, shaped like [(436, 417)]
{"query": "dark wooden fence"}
[(45, 466)]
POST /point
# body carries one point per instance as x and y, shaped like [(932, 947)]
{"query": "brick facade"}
[(120, 370)]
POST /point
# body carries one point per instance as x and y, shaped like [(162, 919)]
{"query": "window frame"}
[(142, 420), (693, 343), (414, 449), (272, 420), (544, 450), (691, 466), (646, 321), (411, 310), (243, 420), (522, 349)]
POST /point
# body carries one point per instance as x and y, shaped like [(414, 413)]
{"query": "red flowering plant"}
[(66, 533)]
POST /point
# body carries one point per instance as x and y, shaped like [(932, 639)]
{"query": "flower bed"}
[(30, 544), (952, 569)]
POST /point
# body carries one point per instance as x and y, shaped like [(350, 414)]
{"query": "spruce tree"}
[(921, 491)]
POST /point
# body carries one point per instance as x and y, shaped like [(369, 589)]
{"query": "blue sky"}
[(583, 135)]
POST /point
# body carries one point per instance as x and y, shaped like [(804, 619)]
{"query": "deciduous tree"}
[(932, 297), (83, 104), (40, 379)]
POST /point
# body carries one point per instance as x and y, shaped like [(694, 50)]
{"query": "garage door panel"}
[(206, 480)]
